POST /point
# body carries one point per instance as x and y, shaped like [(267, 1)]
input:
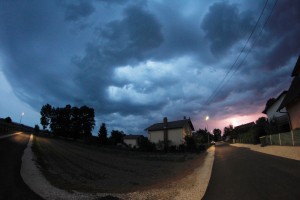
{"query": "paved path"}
[(12, 185), (239, 173)]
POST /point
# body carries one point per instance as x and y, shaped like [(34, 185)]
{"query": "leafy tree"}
[(8, 120), (68, 121), (116, 137), (88, 120), (217, 134), (102, 134), (190, 142), (229, 131), (262, 126), (146, 145), (36, 128), (46, 114), (202, 135)]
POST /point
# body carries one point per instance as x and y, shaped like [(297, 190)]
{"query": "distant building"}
[(244, 127), (132, 140), (172, 132), (292, 99)]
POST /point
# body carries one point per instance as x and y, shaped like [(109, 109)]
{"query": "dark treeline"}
[(69, 121)]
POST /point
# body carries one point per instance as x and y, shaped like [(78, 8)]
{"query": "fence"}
[(286, 139)]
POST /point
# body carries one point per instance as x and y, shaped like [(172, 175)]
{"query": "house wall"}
[(156, 136), (272, 111), (294, 112), (176, 136), (131, 142)]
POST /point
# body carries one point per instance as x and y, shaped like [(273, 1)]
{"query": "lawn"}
[(72, 165)]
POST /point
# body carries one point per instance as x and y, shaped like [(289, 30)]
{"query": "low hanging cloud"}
[(137, 61)]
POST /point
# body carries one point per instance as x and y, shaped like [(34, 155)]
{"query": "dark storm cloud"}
[(224, 25), (76, 11), (281, 34), (121, 42), (135, 62)]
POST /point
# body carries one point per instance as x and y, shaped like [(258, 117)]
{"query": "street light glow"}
[(207, 118)]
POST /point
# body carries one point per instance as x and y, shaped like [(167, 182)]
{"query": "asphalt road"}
[(239, 173), (12, 185)]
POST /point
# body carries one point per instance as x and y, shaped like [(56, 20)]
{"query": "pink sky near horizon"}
[(234, 120)]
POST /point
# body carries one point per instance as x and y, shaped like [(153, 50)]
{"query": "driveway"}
[(12, 185), (239, 173)]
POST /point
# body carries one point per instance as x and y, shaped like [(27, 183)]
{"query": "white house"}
[(132, 140), (291, 102), (280, 118), (170, 133), (271, 109)]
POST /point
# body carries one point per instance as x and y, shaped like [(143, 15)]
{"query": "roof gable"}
[(171, 125), (292, 94), (273, 103), (296, 71)]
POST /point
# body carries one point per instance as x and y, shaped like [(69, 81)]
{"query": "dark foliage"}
[(190, 142), (36, 129), (146, 145), (116, 137), (68, 121), (8, 120), (102, 135)]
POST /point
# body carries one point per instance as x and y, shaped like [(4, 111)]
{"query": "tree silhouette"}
[(116, 137), (68, 121), (46, 112), (102, 134)]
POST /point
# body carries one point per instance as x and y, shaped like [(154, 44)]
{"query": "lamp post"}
[(22, 114), (206, 119)]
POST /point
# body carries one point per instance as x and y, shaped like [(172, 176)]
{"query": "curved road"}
[(12, 185), (239, 173)]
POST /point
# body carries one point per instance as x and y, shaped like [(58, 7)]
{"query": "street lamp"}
[(22, 114), (206, 119)]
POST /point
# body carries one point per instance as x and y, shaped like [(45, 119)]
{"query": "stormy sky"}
[(136, 62)]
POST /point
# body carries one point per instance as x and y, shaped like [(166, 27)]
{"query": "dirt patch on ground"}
[(96, 170)]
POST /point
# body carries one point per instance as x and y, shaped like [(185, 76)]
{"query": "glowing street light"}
[(22, 114), (206, 119)]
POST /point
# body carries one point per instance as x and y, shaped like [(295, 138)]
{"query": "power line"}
[(215, 92)]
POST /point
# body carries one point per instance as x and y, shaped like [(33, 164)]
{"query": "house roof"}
[(292, 94), (171, 125), (245, 126), (133, 137), (296, 71), (269, 106)]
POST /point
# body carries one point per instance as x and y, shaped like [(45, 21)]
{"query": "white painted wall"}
[(131, 142), (272, 111)]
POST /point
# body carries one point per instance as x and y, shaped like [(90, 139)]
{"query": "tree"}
[(102, 134), (116, 137), (88, 120), (190, 142), (262, 126), (46, 114), (68, 121), (36, 128), (217, 134), (8, 120), (229, 131)]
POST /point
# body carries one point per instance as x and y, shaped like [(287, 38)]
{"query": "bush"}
[(146, 145), (8, 120)]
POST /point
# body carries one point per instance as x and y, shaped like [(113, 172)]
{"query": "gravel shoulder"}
[(291, 152), (190, 184)]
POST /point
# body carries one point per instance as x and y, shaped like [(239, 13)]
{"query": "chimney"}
[(165, 122), (184, 117)]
